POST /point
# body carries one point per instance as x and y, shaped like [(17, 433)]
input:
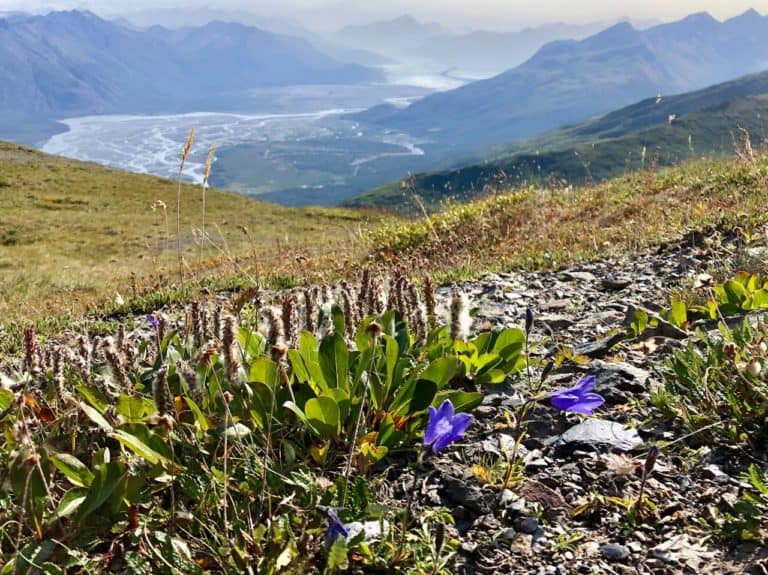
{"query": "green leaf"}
[(759, 299), (415, 396), (72, 468), (291, 406), (389, 435), (342, 400), (308, 347), (491, 377), (70, 502), (334, 361), (138, 447), (735, 292), (6, 398), (463, 401), (391, 355), (261, 403), (423, 395), (337, 556), (202, 421), (441, 371), (133, 408), (511, 336), (639, 322), (264, 370), (323, 416), (109, 478), (96, 417), (679, 312), (299, 368), (94, 397), (483, 341)]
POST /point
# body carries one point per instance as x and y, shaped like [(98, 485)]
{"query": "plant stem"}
[(407, 514)]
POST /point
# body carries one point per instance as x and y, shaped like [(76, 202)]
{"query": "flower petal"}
[(587, 404), (563, 400), (445, 411), (459, 425), (586, 384), (430, 434)]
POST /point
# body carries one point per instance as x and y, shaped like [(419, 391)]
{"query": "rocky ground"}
[(557, 520), (564, 514)]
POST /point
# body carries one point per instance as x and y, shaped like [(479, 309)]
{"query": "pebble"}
[(507, 497), (509, 534), (614, 552), (529, 525)]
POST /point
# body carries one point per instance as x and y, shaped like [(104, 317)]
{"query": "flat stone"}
[(555, 321), (597, 435), (579, 276), (599, 349), (615, 283)]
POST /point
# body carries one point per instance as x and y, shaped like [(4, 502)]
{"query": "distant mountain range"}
[(570, 81), (664, 131), (75, 63), (477, 53)]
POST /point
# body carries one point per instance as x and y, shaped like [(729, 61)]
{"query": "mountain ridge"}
[(570, 81), (70, 63)]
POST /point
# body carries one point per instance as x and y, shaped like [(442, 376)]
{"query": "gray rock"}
[(372, 530), (555, 322), (615, 283), (714, 473), (579, 276), (617, 382), (470, 496), (597, 435), (599, 349), (614, 552), (509, 534), (529, 525), (507, 497)]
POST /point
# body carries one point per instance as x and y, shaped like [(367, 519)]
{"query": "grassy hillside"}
[(73, 233), (530, 228), (634, 138)]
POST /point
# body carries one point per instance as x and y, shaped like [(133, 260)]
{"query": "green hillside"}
[(706, 125), (73, 233)]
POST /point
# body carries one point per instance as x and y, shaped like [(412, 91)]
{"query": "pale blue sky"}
[(509, 14)]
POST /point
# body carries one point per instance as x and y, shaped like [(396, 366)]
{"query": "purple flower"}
[(578, 398), (152, 320), (444, 427), (336, 528)]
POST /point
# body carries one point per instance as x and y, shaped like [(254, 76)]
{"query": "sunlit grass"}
[(73, 234)]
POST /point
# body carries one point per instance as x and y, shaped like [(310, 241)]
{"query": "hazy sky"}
[(456, 13)]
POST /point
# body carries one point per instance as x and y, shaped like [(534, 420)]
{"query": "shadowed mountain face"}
[(672, 129), (568, 81), (68, 63)]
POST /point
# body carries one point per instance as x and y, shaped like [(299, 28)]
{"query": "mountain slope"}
[(74, 63), (73, 232), (568, 81), (706, 123)]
